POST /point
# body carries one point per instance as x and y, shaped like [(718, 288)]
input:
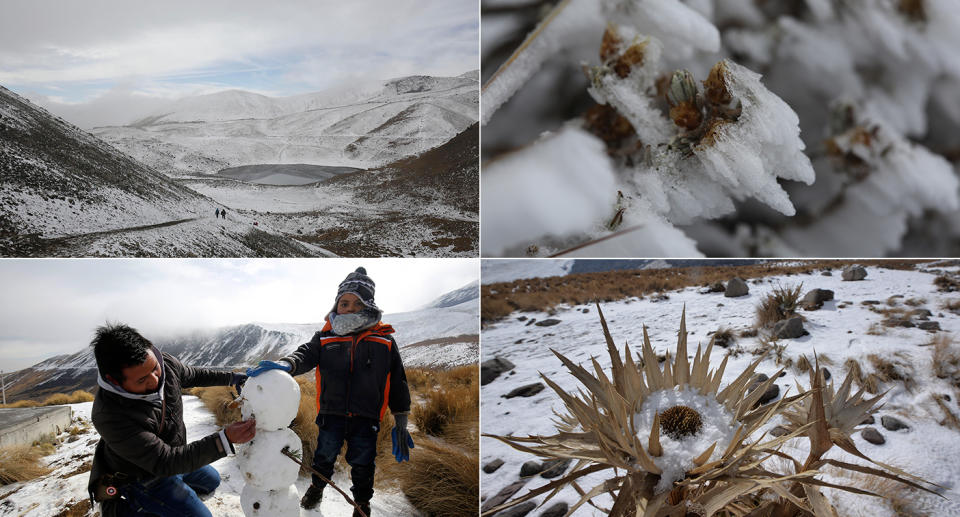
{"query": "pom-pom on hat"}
[(359, 284)]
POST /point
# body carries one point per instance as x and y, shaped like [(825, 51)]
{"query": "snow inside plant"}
[(677, 444), (684, 132)]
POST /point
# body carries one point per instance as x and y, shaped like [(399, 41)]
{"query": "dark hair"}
[(118, 346)]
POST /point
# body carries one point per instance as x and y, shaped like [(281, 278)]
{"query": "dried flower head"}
[(680, 421)]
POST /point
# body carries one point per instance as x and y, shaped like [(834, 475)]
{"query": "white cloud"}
[(51, 307)]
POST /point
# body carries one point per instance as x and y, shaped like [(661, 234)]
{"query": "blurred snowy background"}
[(829, 129)]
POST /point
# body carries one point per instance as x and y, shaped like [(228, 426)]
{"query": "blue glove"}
[(263, 366), (402, 442), (237, 381)]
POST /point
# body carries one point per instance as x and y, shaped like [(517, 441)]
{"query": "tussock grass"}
[(541, 294), (951, 305), (80, 508), (55, 399), (21, 463), (889, 371), (901, 498), (915, 302), (869, 383), (441, 479), (778, 305), (724, 336), (946, 359), (444, 406), (946, 283)]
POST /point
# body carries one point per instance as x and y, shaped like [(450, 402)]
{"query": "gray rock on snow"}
[(491, 369), (519, 510), (929, 325), (854, 273), (503, 495), (549, 322), (531, 468), (814, 299), (736, 287), (555, 468), (528, 390), (789, 329), (492, 467), (892, 423), (873, 436), (558, 510)]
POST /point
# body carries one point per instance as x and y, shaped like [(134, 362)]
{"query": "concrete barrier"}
[(23, 426)]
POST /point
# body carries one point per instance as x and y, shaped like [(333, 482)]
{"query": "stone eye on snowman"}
[(273, 399)]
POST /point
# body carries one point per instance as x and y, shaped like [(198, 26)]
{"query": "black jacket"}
[(357, 375), (131, 440)]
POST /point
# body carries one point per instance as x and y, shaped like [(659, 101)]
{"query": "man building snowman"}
[(359, 374), (143, 463)]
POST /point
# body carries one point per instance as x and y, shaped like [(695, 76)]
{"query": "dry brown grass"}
[(915, 302), (724, 336), (444, 406), (21, 463), (946, 283), (950, 419), (946, 359), (803, 364), (870, 383), (542, 294), (890, 371), (55, 399), (80, 508), (778, 305), (901, 498), (951, 305), (441, 479)]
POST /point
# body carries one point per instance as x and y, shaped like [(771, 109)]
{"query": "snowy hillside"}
[(434, 336), (848, 328), (366, 126), (64, 192), (66, 486), (465, 293)]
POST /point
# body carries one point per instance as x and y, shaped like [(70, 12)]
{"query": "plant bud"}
[(682, 88)]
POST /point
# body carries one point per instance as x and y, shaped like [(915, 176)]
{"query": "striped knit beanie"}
[(359, 284)]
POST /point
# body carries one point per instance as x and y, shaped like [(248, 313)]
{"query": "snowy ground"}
[(508, 270), (53, 493), (838, 330)]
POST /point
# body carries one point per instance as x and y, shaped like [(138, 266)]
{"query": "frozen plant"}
[(697, 106), (673, 443)]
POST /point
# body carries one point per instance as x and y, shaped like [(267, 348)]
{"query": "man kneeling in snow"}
[(143, 463)]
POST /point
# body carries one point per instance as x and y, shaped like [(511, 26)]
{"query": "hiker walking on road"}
[(223, 213), (218, 214), (359, 375)]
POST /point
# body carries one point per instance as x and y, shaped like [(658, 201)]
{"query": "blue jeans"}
[(361, 437), (174, 495)]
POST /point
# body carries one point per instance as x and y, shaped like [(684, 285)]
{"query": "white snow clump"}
[(264, 465), (269, 503), (273, 398)]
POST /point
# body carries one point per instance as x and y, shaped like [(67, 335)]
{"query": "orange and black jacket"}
[(359, 374)]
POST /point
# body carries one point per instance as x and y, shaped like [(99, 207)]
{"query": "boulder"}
[(531, 468), (929, 325), (503, 495), (873, 436), (779, 431), (789, 329), (558, 510), (492, 467), (519, 510), (736, 287), (555, 468), (854, 273), (491, 369), (549, 322), (814, 299), (892, 423), (869, 420), (525, 391)]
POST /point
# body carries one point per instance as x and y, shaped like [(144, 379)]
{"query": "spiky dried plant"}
[(704, 462), (828, 418), (678, 445)]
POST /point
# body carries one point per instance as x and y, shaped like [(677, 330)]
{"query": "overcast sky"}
[(52, 306), (100, 62)]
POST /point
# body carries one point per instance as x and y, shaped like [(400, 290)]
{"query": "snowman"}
[(273, 399)]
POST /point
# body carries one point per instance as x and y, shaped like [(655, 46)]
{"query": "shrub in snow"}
[(673, 443), (273, 398), (264, 465), (694, 110), (268, 503)]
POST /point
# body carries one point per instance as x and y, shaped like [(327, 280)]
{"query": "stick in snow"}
[(286, 452)]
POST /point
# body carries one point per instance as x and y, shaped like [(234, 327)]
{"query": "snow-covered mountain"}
[(364, 126), (864, 324), (65, 192), (441, 334)]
